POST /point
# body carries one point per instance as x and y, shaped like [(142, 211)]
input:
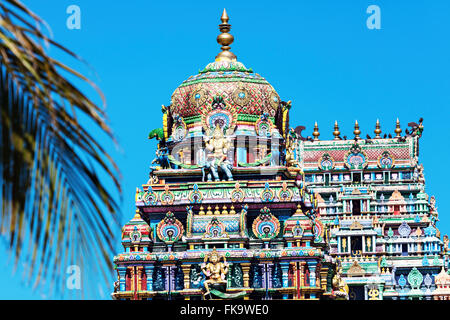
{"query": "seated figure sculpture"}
[(340, 287), (214, 270), (218, 146)]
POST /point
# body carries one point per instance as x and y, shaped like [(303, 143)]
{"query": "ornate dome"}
[(243, 91), (136, 230), (240, 89)]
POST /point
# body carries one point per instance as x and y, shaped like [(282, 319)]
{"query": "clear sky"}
[(318, 54)]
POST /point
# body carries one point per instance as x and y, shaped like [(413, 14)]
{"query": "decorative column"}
[(269, 274), (149, 273), (299, 272), (323, 278), (186, 272), (132, 276), (363, 245), (275, 149), (285, 273), (339, 244), (312, 273), (122, 273), (245, 270), (139, 273), (172, 277), (381, 289), (295, 280)]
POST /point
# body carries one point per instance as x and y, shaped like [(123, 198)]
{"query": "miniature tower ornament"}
[(316, 133), (398, 130), (225, 39), (336, 131), (356, 132), (377, 130)]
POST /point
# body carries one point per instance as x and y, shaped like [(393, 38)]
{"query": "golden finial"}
[(232, 211), (137, 215), (224, 209), (356, 132), (377, 130), (225, 39), (202, 212), (397, 130), (208, 210), (217, 210), (336, 131), (316, 133)]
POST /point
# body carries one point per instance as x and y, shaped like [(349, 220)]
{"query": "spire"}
[(397, 130), (225, 39), (356, 132), (316, 133), (377, 130), (336, 131)]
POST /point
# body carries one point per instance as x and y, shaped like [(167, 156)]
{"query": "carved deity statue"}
[(340, 287), (418, 174), (291, 146), (214, 270), (117, 285), (218, 146), (445, 246)]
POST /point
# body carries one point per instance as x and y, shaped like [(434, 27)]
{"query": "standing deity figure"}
[(418, 174), (218, 146), (214, 270), (116, 285), (445, 246), (291, 147), (340, 287)]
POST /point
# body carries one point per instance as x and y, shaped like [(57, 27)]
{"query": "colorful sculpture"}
[(214, 270), (218, 145), (340, 287)]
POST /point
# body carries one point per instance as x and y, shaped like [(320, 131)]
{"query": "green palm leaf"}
[(56, 209)]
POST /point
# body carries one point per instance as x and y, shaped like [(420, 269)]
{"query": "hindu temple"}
[(239, 205)]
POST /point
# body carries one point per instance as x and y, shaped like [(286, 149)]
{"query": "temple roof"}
[(242, 90)]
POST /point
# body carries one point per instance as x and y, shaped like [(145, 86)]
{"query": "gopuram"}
[(239, 205)]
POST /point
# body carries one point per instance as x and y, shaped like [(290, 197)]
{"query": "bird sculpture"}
[(298, 130)]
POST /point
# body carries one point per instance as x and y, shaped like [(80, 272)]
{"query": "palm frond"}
[(52, 169)]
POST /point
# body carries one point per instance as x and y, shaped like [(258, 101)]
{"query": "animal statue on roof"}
[(157, 133), (162, 159), (416, 128)]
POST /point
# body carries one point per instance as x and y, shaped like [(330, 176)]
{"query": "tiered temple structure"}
[(240, 206), (371, 197)]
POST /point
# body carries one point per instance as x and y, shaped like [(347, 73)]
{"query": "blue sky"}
[(318, 54)]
